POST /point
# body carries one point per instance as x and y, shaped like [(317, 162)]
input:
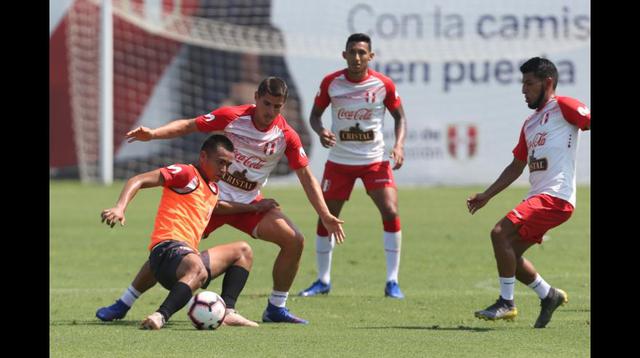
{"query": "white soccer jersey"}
[(256, 152), (548, 142), (357, 115)]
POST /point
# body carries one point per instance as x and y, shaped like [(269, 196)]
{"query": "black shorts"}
[(165, 258)]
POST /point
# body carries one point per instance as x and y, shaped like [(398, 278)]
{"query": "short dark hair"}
[(541, 69), (274, 86), (358, 37), (217, 140)]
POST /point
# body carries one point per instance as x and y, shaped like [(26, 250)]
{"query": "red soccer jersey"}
[(257, 152), (548, 142), (357, 110)]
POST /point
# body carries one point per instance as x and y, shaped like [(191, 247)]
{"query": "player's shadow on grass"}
[(435, 328), (76, 322)]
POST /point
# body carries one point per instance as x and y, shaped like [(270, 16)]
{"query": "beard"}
[(537, 102)]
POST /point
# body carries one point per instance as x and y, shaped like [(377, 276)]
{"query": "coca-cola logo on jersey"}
[(249, 161), (538, 140), (360, 114)]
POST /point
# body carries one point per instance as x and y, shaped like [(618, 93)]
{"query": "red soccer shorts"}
[(246, 222), (338, 179), (538, 214)]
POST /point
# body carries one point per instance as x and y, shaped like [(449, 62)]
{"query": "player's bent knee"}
[(197, 271), (201, 275), (246, 252), (296, 242), (497, 235), (299, 239)]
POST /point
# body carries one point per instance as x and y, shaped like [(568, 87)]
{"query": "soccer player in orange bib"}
[(359, 98), (189, 198), (548, 144), (261, 137)]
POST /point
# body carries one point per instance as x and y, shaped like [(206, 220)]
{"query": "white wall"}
[(450, 37)]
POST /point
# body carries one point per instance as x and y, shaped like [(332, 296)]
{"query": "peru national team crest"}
[(269, 148), (462, 141), (370, 96)]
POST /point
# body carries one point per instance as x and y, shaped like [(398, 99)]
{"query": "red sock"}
[(392, 225), (321, 230)]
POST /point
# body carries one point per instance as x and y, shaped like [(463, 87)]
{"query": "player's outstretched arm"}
[(172, 129), (327, 137), (508, 176), (145, 180), (397, 152), (232, 207), (314, 194)]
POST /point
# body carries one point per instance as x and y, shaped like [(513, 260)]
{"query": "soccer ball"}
[(206, 310)]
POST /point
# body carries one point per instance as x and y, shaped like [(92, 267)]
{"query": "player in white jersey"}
[(548, 143), (261, 136), (359, 98)]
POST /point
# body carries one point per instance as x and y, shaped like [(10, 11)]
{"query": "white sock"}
[(278, 298), (130, 295), (392, 244), (506, 287), (324, 252), (540, 286)]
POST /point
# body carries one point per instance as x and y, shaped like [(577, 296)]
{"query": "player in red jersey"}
[(189, 197), (359, 97), (261, 136), (548, 144)]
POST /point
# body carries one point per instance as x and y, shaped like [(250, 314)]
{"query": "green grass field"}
[(447, 272)]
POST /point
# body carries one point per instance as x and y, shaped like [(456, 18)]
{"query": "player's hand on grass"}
[(327, 138), (113, 215), (334, 227), (141, 133), (266, 205), (477, 201), (397, 155)]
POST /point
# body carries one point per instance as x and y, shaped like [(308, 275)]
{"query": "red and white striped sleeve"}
[(392, 99), (520, 151), (217, 120), (294, 151), (323, 99), (575, 112)]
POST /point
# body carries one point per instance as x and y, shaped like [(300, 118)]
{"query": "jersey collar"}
[(346, 75), (552, 98), (253, 122)]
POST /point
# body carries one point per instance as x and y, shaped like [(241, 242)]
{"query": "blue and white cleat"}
[(275, 314), (116, 311), (316, 288), (393, 290)]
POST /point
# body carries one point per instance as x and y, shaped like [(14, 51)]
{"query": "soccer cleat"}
[(316, 288), (502, 309), (116, 311), (233, 318), (275, 314), (393, 290), (153, 321), (555, 298)]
